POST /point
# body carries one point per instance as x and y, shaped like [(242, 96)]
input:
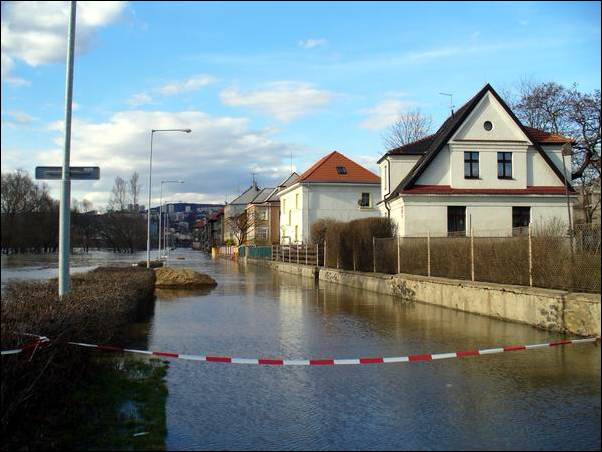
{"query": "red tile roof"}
[(547, 138), (325, 170), (447, 190)]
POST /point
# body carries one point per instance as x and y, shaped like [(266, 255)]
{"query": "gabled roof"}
[(262, 196), (247, 196), (417, 147), (290, 180), (547, 138), (451, 125), (325, 170)]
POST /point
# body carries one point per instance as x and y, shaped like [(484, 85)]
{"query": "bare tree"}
[(411, 126), (553, 108), (240, 225), (134, 187), (119, 195)]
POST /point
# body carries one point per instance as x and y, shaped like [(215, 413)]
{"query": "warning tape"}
[(338, 362), (33, 345)]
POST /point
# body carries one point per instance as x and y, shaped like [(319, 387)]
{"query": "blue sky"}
[(259, 81)]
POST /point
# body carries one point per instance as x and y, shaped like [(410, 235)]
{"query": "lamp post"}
[(161, 209), (150, 181), (166, 246), (65, 202)]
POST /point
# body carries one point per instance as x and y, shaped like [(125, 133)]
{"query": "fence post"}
[(530, 258), (272, 255), (339, 255), (398, 256), (325, 261), (428, 253), (471, 253), (297, 254), (353, 254), (374, 253), (306, 261)]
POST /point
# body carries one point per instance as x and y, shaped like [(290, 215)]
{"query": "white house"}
[(482, 169), (334, 187)]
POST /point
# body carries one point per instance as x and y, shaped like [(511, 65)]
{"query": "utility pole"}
[(65, 202)]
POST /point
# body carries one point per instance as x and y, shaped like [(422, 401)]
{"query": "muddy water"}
[(544, 399), (548, 399)]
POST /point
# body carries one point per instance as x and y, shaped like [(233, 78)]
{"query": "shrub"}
[(97, 308)]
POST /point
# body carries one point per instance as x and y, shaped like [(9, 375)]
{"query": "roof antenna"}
[(451, 102), (291, 162), (254, 182)]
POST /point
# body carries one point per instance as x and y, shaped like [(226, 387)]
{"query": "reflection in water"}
[(545, 399), (174, 294)]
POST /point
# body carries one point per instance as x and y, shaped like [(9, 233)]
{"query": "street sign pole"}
[(65, 203)]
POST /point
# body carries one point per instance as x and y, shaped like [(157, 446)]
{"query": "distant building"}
[(334, 187), (236, 208)]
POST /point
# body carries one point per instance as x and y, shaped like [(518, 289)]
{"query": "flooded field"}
[(544, 399)]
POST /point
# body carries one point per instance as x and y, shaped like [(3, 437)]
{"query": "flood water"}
[(543, 399)]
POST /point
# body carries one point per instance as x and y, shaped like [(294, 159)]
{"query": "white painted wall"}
[(490, 215), (320, 201), (437, 173), (400, 166)]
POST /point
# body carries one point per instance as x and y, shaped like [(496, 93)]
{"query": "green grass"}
[(125, 396)]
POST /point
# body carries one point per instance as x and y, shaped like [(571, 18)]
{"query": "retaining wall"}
[(554, 310)]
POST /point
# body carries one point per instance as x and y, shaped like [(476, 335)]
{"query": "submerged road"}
[(544, 399)]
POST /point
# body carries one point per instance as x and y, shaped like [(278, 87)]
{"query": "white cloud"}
[(18, 117), (312, 42), (139, 99), (284, 101), (35, 32), (384, 113), (192, 84), (220, 153)]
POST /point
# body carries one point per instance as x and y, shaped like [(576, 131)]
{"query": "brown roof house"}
[(482, 169), (334, 187)]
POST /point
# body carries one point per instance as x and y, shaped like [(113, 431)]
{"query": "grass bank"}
[(101, 303)]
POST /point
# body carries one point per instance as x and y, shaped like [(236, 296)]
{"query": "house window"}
[(365, 200), (521, 218), (341, 170), (487, 125), (297, 201), (284, 205), (504, 165), (262, 233), (296, 233), (471, 165), (456, 220)]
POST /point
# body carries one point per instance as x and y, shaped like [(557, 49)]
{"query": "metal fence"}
[(299, 254), (550, 257), (255, 252)]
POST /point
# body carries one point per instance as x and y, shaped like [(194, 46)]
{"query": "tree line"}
[(30, 218)]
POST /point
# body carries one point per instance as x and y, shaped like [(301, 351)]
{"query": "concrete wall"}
[(543, 308)]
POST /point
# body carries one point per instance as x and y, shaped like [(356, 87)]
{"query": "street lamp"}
[(166, 246), (161, 209), (150, 180)]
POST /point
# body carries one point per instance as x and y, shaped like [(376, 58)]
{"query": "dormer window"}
[(341, 170)]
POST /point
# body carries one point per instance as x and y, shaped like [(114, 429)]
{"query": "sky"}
[(265, 87)]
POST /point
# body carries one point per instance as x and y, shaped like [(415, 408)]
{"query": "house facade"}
[(264, 214), (232, 212), (335, 187), (482, 170)]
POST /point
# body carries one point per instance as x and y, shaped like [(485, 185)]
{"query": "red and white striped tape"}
[(33, 345), (338, 362)]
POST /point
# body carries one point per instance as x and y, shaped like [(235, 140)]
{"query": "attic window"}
[(341, 170), (487, 125)]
